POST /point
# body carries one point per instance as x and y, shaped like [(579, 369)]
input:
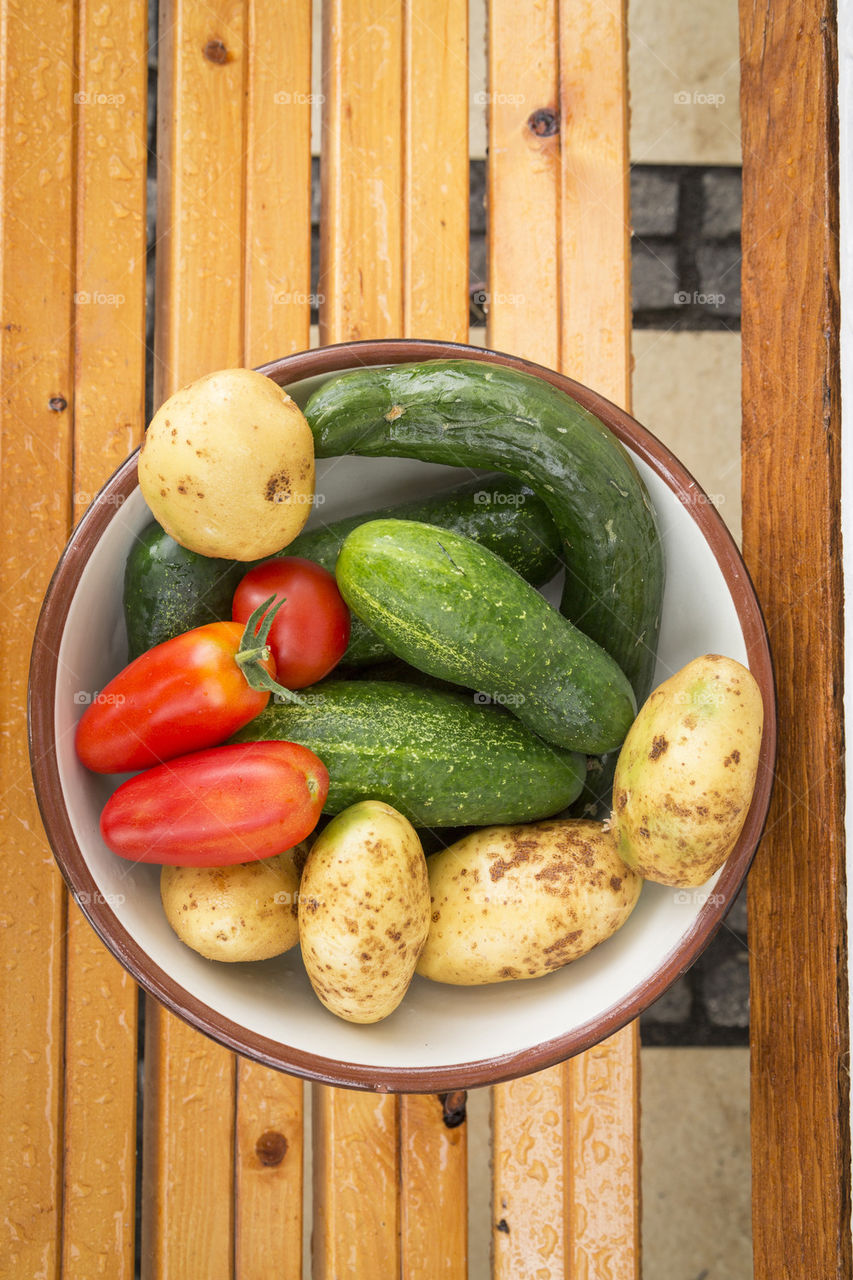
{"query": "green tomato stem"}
[(251, 654)]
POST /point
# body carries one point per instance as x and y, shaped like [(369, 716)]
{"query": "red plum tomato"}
[(229, 804), (185, 694)]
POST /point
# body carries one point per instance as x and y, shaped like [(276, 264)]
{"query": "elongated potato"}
[(364, 911), (227, 466), (686, 772), (518, 902), (242, 912)]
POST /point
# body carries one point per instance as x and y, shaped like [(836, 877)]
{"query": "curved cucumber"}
[(455, 610), (439, 758), (485, 415), (496, 510), (168, 589)]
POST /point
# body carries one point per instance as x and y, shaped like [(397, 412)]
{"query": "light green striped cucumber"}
[(499, 511), (440, 758), (454, 609)]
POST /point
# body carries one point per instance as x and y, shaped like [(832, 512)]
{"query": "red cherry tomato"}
[(310, 632), (213, 808), (190, 692)]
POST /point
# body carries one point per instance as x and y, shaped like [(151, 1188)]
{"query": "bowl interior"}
[(439, 1036)]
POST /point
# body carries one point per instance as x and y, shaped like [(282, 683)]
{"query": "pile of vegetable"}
[(301, 710)]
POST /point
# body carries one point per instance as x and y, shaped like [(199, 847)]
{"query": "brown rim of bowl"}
[(41, 698)]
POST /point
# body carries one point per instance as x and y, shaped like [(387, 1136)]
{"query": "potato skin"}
[(686, 772), (242, 912), (520, 901), (227, 466), (364, 911)]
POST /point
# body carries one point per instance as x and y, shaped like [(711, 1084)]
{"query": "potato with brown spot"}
[(227, 466), (679, 809), (236, 913), (364, 911), (520, 901)]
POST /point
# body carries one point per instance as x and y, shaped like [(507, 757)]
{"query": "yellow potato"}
[(364, 911), (243, 912), (686, 772), (227, 466), (520, 901)]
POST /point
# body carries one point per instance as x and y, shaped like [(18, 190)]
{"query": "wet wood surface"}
[(799, 1003), (223, 1191), (566, 1141), (99, 1173)]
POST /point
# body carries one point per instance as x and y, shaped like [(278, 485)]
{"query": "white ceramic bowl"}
[(440, 1037)]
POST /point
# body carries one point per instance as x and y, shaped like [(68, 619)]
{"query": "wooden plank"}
[(109, 396), (278, 180), (791, 538), (529, 1115), (356, 1176), (200, 191), (595, 227), (434, 1155), (36, 286), (433, 1189), (436, 171), (188, 1152), (188, 1211), (269, 1134), (530, 1207), (362, 171), (356, 1136), (566, 1141), (604, 1158), (523, 180), (268, 1174), (595, 266)]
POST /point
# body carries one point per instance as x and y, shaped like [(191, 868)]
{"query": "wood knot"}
[(215, 51), (453, 1108), (57, 404), (544, 123), (271, 1147)]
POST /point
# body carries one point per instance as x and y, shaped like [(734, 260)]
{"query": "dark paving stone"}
[(719, 277), (718, 986), (721, 189), (477, 268), (654, 275), (674, 1005), (152, 113), (477, 196), (736, 918), (654, 201), (726, 992), (151, 212), (315, 191), (153, 22)]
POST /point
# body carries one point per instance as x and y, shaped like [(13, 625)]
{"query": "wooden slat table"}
[(222, 1184)]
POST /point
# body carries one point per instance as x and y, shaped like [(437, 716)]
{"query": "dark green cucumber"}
[(496, 510), (440, 758), (478, 414), (454, 609), (168, 589)]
